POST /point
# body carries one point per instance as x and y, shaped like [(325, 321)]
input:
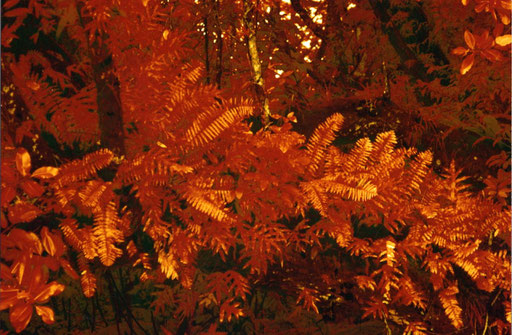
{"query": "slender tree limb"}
[(126, 304), (218, 77), (254, 58), (206, 47)]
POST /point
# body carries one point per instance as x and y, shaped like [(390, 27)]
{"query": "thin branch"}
[(254, 59), (206, 47), (218, 77), (128, 310)]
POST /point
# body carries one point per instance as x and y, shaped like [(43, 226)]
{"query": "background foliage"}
[(301, 167)]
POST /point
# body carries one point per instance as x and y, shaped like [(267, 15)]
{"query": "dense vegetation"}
[(255, 167)]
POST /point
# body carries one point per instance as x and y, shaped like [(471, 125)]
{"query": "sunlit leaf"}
[(48, 291), (45, 172), (46, 313), (470, 39), (23, 162), (504, 40), (47, 241), (467, 63)]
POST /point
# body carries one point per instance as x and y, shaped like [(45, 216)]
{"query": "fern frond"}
[(192, 73), (202, 132), (419, 169), (106, 234), (323, 135), (131, 249), (88, 244), (69, 229), (508, 313), (315, 196), (91, 193), (198, 199), (416, 328), (87, 279), (168, 264), (383, 147), (85, 167), (358, 156), (362, 191), (451, 306), (157, 162), (454, 182)]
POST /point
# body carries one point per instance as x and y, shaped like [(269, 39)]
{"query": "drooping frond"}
[(228, 283), (383, 147), (451, 306), (454, 182), (210, 125), (315, 196), (87, 279), (158, 162), (106, 234), (419, 168), (90, 195), (360, 190), (321, 138), (357, 157), (84, 168), (168, 264), (197, 198), (69, 228), (88, 244)]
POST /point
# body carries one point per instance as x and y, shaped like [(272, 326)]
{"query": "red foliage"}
[(231, 209)]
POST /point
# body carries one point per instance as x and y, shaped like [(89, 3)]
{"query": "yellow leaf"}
[(470, 39), (504, 40), (45, 172), (467, 63), (48, 244), (46, 313), (51, 289), (23, 162)]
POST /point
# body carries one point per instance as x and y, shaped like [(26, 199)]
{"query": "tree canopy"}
[(255, 167)]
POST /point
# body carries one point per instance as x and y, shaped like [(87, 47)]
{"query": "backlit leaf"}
[(46, 313), (470, 39), (45, 172), (47, 241), (467, 63), (23, 162), (504, 40), (48, 291)]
